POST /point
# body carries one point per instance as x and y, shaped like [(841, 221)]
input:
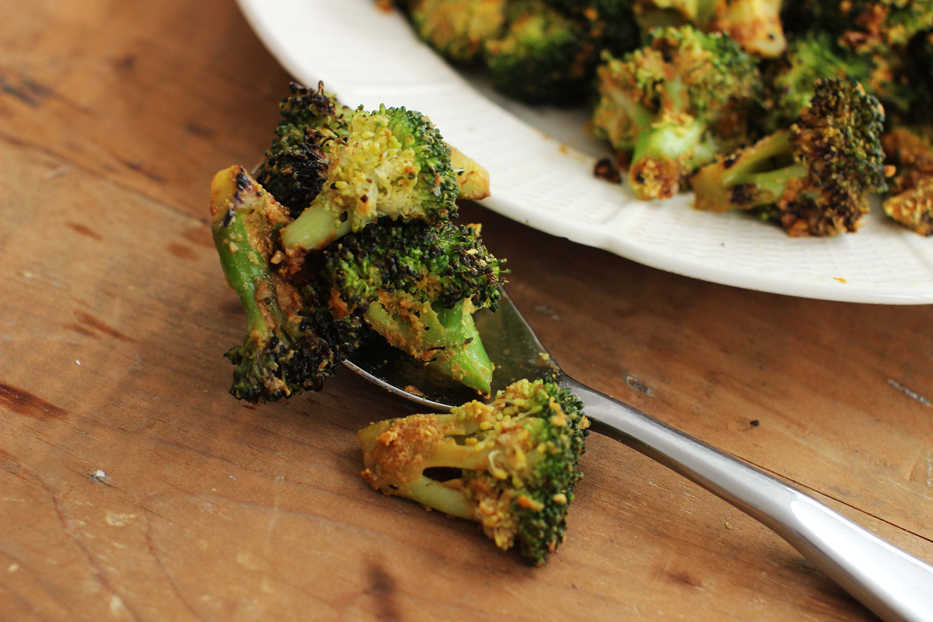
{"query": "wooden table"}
[(132, 486)]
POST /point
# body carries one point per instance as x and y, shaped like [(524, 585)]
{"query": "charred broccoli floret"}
[(339, 168), (512, 463), (288, 348), (674, 104), (542, 56), (418, 285), (754, 24), (910, 191), (458, 29), (814, 178)]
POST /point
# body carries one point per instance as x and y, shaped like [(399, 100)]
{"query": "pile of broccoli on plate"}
[(679, 89), (343, 235)]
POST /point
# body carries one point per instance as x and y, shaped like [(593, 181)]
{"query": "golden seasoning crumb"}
[(559, 420), (560, 498), (840, 279), (410, 388), (529, 504)]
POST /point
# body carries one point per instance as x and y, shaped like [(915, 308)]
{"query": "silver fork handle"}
[(893, 584)]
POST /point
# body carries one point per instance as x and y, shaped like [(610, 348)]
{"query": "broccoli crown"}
[(511, 464), (287, 348), (418, 285), (442, 264), (458, 29), (814, 177), (862, 25), (792, 79), (324, 156), (666, 102), (542, 57), (295, 166)]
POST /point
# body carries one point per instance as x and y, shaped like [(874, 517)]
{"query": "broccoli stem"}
[(247, 272), (446, 338), (315, 228), (720, 186), (664, 153), (441, 497), (241, 221)]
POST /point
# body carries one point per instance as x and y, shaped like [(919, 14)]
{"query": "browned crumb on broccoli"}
[(913, 208), (910, 199)]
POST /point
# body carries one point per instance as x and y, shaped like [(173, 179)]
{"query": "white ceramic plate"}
[(541, 161)]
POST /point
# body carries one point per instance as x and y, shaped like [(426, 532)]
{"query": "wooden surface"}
[(132, 486)]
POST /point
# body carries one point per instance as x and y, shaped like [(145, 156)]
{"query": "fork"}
[(890, 582)]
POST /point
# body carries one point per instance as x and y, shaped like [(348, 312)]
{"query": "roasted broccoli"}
[(862, 25), (410, 268), (754, 24), (910, 191), (338, 168), (792, 79), (289, 346), (543, 56), (458, 29), (510, 465), (418, 285), (674, 104), (813, 177)]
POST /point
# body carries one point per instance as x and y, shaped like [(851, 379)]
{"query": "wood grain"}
[(133, 487)]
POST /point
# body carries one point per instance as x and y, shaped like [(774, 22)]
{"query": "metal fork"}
[(893, 584)]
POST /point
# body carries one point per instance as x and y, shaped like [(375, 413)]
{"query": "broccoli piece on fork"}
[(514, 463)]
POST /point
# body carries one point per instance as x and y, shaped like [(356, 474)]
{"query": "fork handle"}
[(893, 584)]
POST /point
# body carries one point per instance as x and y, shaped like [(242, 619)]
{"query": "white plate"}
[(541, 162)]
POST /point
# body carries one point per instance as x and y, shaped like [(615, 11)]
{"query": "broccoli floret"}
[(817, 55), (862, 25), (418, 285), (814, 177), (287, 349), (792, 79), (754, 24), (909, 200), (458, 29), (542, 57), (674, 104), (513, 462), (339, 168)]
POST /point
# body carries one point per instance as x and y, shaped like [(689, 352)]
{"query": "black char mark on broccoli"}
[(814, 177), (295, 166), (516, 461), (286, 349), (323, 160)]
